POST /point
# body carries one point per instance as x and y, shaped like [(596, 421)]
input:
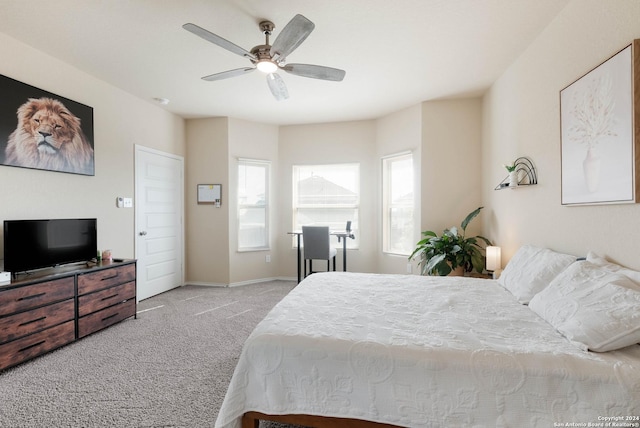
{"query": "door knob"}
[(143, 233)]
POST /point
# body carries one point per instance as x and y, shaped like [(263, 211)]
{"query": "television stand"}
[(53, 307)]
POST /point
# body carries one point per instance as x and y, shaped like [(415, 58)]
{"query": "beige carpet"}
[(168, 368)]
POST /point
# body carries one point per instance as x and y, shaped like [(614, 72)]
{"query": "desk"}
[(341, 234)]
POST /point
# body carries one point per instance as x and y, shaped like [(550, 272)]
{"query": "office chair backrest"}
[(316, 242)]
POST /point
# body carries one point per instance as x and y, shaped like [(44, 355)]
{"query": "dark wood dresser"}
[(54, 307)]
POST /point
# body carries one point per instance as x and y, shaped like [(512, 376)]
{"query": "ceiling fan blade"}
[(294, 33), (215, 39), (227, 74), (315, 71), (277, 86)]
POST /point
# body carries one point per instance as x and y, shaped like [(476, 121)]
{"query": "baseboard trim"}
[(240, 283), (257, 281), (206, 284)]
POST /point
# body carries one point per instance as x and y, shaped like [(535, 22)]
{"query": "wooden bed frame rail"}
[(252, 420)]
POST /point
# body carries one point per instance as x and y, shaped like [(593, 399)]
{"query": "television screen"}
[(34, 244)]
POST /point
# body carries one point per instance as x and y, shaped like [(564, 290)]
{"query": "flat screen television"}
[(35, 244)]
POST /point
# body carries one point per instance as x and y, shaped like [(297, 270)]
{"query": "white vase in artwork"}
[(513, 178), (591, 168)]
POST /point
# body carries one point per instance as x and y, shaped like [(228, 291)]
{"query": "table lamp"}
[(494, 261)]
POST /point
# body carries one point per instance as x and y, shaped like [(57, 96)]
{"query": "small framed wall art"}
[(210, 194)]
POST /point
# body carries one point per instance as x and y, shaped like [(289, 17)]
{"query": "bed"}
[(353, 349)]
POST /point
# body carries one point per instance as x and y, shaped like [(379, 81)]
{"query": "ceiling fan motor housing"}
[(261, 52), (263, 59)]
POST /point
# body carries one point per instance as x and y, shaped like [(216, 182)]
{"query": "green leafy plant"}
[(511, 167), (439, 255)]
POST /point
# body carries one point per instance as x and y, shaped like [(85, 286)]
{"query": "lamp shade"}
[(493, 258)]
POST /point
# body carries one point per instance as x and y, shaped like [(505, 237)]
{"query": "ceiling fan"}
[(271, 58)]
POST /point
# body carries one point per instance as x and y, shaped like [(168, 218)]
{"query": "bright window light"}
[(253, 205), (398, 204)]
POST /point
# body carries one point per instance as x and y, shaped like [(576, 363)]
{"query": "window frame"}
[(352, 244), (387, 205), (266, 206)]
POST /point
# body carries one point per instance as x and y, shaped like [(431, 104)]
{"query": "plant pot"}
[(459, 271), (513, 179)]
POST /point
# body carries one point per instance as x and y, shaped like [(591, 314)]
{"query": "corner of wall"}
[(451, 161)]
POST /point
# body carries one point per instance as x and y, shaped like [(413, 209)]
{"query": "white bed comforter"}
[(424, 352)]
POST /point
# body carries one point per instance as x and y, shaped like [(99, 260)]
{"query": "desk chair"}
[(317, 246)]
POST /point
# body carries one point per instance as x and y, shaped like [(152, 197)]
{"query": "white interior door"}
[(159, 197)]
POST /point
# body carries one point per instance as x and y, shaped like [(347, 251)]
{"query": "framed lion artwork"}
[(41, 130)]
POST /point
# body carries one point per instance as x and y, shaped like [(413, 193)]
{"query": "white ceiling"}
[(396, 53)]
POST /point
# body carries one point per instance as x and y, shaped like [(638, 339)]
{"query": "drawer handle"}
[(32, 321), (109, 297), (106, 278), (110, 316), (26, 348), (34, 296)]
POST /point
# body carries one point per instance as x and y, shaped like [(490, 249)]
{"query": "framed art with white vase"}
[(599, 136)]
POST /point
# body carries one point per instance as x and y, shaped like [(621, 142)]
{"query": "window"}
[(397, 204), (327, 195), (253, 205)]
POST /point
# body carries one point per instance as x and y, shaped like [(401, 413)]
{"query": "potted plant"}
[(513, 174), (452, 251)]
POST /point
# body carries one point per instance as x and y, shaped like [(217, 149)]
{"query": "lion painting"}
[(49, 136)]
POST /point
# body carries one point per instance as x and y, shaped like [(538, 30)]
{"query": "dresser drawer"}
[(90, 282), (101, 299), (32, 296), (20, 350), (25, 323), (106, 317)]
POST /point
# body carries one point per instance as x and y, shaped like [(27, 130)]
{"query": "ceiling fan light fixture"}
[(266, 66)]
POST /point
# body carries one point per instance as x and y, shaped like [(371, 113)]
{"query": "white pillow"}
[(633, 275), (531, 269), (593, 307)]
